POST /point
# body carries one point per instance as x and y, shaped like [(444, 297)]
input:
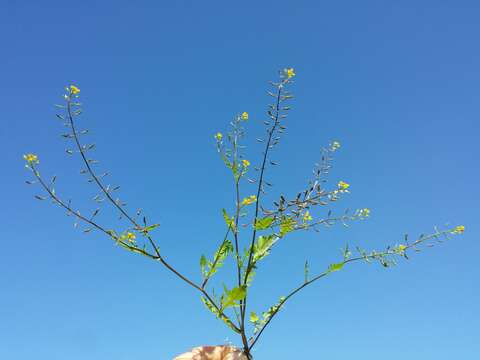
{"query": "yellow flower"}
[(249, 200), (246, 163), (459, 229), (343, 185), (401, 248), (290, 72), (335, 145), (245, 116), (364, 212), (218, 136), (307, 216), (74, 90), (129, 236), (31, 158)]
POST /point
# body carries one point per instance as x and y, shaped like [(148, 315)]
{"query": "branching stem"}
[(257, 206), (325, 273)]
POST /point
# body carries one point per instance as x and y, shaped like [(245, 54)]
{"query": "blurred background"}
[(396, 83)]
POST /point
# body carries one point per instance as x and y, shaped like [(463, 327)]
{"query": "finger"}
[(184, 356), (191, 355), (212, 353), (235, 355)]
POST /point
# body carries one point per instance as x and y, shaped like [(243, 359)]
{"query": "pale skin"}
[(213, 353)]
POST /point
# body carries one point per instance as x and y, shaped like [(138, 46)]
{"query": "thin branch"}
[(259, 190), (373, 255), (89, 168), (58, 201), (157, 255)]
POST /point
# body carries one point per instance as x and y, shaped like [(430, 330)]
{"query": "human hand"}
[(213, 353)]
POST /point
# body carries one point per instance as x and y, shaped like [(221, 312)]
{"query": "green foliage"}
[(149, 228), (250, 276), (336, 267), (262, 247), (230, 221), (254, 317), (232, 297), (209, 268), (267, 315), (203, 265), (287, 225), (220, 316), (264, 223)]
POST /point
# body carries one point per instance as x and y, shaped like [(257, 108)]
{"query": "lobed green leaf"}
[(287, 225), (336, 267), (262, 247), (265, 223)]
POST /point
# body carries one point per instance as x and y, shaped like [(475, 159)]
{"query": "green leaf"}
[(266, 315), (262, 246), (250, 277), (149, 228), (214, 311), (287, 225), (220, 255), (230, 221), (131, 248), (254, 317), (210, 307), (335, 267), (203, 265), (209, 268), (232, 296), (262, 224), (225, 248), (235, 170)]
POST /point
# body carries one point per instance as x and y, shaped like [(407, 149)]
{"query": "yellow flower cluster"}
[(129, 236), (290, 73), (364, 212), (245, 163), (307, 216), (218, 136), (249, 200), (459, 230), (31, 158), (335, 146), (245, 116), (74, 90), (401, 248), (342, 185)]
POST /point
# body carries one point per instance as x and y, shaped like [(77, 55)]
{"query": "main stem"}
[(246, 346)]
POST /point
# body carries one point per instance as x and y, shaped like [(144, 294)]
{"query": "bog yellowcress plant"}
[(252, 226)]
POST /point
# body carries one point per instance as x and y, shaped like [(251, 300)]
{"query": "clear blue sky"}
[(397, 83)]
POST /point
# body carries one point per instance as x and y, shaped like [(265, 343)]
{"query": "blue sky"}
[(395, 82)]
